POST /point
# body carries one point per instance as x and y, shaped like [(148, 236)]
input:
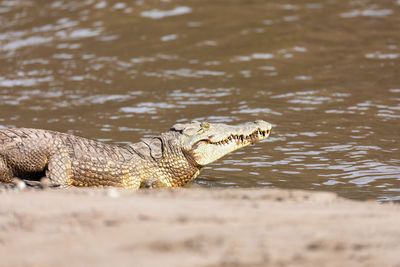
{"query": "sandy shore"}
[(195, 227)]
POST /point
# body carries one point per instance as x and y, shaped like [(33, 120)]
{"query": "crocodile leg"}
[(59, 168), (6, 174), (153, 183)]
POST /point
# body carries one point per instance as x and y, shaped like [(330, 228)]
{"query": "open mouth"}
[(252, 138)]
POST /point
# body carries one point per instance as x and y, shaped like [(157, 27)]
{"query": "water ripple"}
[(376, 13), (160, 14)]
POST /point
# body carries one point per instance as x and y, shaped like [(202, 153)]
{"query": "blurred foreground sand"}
[(195, 227)]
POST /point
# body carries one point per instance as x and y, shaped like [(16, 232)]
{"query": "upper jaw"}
[(253, 137), (249, 133)]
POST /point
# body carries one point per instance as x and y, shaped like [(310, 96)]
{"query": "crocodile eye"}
[(205, 125)]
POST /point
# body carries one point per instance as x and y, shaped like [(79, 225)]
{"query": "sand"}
[(195, 227)]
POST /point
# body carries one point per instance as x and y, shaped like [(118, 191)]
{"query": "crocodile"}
[(171, 159)]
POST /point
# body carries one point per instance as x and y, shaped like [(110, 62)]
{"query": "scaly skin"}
[(170, 160)]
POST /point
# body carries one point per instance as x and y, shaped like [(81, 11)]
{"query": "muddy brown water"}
[(324, 73)]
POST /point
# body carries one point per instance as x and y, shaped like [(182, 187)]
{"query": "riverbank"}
[(195, 227)]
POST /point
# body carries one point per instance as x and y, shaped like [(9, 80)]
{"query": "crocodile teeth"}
[(244, 139)]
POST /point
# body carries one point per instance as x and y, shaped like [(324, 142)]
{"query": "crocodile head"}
[(207, 142)]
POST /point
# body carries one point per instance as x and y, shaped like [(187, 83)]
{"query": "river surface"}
[(326, 74)]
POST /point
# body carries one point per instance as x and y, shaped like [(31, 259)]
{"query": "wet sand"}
[(195, 227)]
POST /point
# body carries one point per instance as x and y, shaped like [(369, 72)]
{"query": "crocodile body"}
[(172, 159)]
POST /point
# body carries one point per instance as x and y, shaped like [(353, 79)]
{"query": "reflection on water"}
[(324, 73)]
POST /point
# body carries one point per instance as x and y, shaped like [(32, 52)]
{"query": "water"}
[(324, 73)]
